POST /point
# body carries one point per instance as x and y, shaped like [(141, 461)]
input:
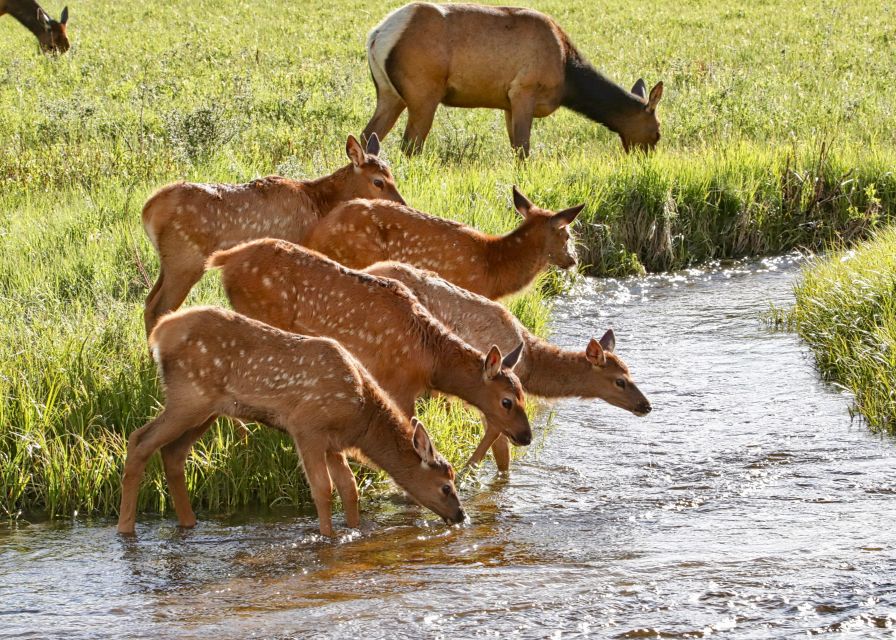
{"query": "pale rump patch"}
[(382, 39)]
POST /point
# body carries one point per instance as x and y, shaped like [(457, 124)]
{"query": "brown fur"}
[(218, 363), (52, 35), (360, 233), (514, 59), (187, 222), (544, 370), (403, 346)]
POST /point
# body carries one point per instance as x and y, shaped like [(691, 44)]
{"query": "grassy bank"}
[(846, 311), (775, 134)]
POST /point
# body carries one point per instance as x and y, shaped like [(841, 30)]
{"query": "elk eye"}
[(620, 383), (379, 184), (507, 403), (446, 489)]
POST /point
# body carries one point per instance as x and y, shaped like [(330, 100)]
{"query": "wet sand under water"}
[(747, 505)]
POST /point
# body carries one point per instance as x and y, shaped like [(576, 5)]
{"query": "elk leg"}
[(315, 463), (508, 122), (487, 439), (171, 294), (142, 443), (420, 118), (344, 479), (523, 109), (388, 108), (174, 457), (501, 451)]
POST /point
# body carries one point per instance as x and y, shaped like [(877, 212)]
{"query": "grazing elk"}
[(186, 222), (52, 35), (517, 60), (360, 233), (544, 369), (406, 350), (218, 363)]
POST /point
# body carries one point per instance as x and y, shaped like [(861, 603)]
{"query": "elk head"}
[(609, 378), (54, 37), (641, 130), (559, 245), (432, 482), (504, 405), (370, 176)]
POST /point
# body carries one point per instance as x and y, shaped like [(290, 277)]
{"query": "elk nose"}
[(523, 439), (644, 408), (460, 516)]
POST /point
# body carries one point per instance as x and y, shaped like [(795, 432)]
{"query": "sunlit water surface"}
[(746, 505)]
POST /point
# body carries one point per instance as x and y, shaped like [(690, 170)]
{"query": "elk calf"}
[(217, 363), (406, 350), (544, 369), (360, 233), (186, 222)]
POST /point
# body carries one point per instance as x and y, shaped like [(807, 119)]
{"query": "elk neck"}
[(515, 259), (458, 370), (386, 441), (589, 92), (551, 372), (25, 11), (327, 192)]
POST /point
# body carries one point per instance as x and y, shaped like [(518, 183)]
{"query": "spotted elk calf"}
[(218, 363), (544, 369), (52, 35), (514, 59), (360, 233), (380, 322), (187, 222)]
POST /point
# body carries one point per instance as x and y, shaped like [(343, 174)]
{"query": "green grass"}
[(846, 311), (777, 132)]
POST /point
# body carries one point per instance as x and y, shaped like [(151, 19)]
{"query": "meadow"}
[(777, 133)]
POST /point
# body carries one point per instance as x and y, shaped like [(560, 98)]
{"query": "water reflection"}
[(746, 505)]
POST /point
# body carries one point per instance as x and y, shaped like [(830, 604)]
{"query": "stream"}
[(748, 504)]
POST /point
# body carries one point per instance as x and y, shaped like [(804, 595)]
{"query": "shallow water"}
[(747, 505)]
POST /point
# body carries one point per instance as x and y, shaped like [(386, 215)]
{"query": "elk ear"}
[(422, 443), (492, 365), (373, 145), (521, 203), (43, 18), (565, 218), (640, 89), (512, 358), (594, 353), (655, 94), (354, 151), (608, 341), (63, 19)]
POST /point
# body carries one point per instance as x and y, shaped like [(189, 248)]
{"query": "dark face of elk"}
[(642, 130), (433, 483), (610, 379), (505, 405), (54, 38), (559, 244), (371, 177)]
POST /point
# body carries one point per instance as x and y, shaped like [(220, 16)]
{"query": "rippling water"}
[(746, 505)]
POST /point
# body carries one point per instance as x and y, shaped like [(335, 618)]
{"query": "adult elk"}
[(405, 349), (544, 369), (187, 222), (360, 233), (517, 60), (52, 35), (217, 363)]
